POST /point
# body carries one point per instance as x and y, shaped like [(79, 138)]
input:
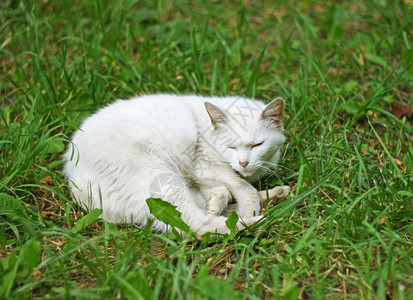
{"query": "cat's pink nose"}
[(244, 164)]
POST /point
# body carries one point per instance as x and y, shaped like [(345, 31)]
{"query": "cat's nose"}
[(244, 164)]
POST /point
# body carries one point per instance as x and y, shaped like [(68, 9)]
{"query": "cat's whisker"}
[(285, 168), (276, 165), (267, 166), (269, 170), (261, 166)]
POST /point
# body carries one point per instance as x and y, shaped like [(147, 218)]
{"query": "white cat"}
[(197, 153)]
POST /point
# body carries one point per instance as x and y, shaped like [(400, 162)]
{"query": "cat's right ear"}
[(274, 112), (216, 115)]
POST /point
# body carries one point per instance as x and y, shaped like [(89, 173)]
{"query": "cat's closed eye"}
[(257, 145), (252, 146)]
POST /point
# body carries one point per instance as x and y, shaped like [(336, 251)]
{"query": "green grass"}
[(345, 71)]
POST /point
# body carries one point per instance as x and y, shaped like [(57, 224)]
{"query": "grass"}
[(345, 71)]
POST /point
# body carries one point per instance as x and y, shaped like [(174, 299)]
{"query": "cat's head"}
[(248, 135)]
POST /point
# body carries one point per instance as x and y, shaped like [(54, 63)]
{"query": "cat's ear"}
[(217, 115), (274, 112)]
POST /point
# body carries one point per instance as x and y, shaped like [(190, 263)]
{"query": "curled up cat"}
[(199, 154)]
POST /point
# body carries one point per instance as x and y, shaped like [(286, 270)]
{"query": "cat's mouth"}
[(246, 172)]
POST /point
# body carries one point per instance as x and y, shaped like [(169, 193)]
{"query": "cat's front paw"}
[(218, 201), (248, 201), (248, 210)]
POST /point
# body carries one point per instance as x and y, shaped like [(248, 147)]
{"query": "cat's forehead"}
[(245, 135), (244, 112)]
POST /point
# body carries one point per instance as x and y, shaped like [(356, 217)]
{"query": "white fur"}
[(171, 147)]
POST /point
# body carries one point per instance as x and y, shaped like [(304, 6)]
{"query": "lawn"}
[(345, 70)]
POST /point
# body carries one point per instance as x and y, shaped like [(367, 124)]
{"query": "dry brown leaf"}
[(361, 59), (47, 214), (37, 275), (47, 180), (399, 163), (83, 285), (399, 109)]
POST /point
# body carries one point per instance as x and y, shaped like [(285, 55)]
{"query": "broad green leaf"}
[(349, 86), (232, 221), (407, 59), (10, 205), (376, 59), (208, 287), (167, 213), (128, 289), (56, 145), (206, 238), (87, 220), (3, 237), (7, 112), (28, 225), (290, 288), (55, 164), (113, 229), (7, 282), (136, 286), (31, 254), (8, 278), (335, 17), (351, 107)]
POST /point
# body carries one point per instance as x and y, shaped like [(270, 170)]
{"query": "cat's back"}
[(143, 111), (124, 129), (142, 117)]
